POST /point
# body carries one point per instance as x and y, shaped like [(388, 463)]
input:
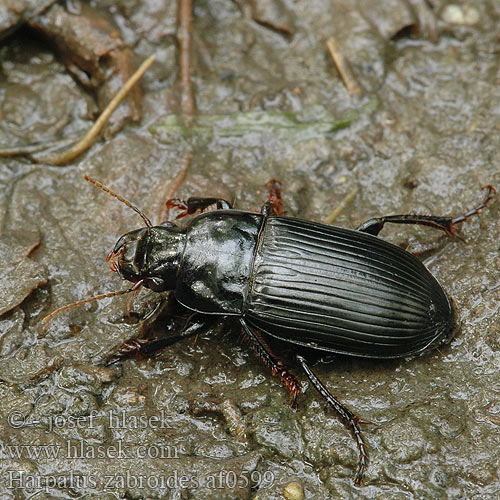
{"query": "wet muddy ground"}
[(205, 420)]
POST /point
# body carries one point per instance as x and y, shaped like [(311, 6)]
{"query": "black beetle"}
[(316, 286)]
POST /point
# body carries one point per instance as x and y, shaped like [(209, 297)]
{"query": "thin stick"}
[(118, 197), (184, 36), (336, 212), (28, 149), (63, 157), (343, 66)]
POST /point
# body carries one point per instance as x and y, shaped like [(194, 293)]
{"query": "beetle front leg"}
[(349, 419), (143, 348), (267, 358), (446, 224), (193, 205)]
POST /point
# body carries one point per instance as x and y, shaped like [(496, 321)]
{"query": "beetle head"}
[(150, 255)]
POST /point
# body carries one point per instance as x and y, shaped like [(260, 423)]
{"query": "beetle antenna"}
[(118, 197), (101, 296)]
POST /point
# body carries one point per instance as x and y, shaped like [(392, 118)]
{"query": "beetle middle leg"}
[(274, 202), (349, 419), (263, 352), (193, 205), (446, 224)]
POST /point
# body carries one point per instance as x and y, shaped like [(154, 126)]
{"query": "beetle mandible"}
[(308, 284)]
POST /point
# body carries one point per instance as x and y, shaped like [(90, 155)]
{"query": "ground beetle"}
[(315, 286)]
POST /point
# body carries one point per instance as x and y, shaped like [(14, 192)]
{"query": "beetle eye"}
[(168, 223), (155, 284)]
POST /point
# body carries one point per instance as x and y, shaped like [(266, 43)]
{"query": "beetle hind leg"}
[(260, 348), (351, 421), (445, 224)]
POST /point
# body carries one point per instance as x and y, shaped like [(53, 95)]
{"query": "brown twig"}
[(251, 11), (63, 157), (169, 192), (179, 178), (184, 37), (343, 66)]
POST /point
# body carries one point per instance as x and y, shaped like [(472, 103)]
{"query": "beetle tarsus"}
[(274, 203), (351, 421), (490, 193), (128, 349), (177, 204), (195, 205)]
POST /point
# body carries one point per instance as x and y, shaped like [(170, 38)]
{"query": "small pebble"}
[(293, 491), (466, 15), (234, 419)]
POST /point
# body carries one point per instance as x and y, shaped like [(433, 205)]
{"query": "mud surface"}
[(205, 420)]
